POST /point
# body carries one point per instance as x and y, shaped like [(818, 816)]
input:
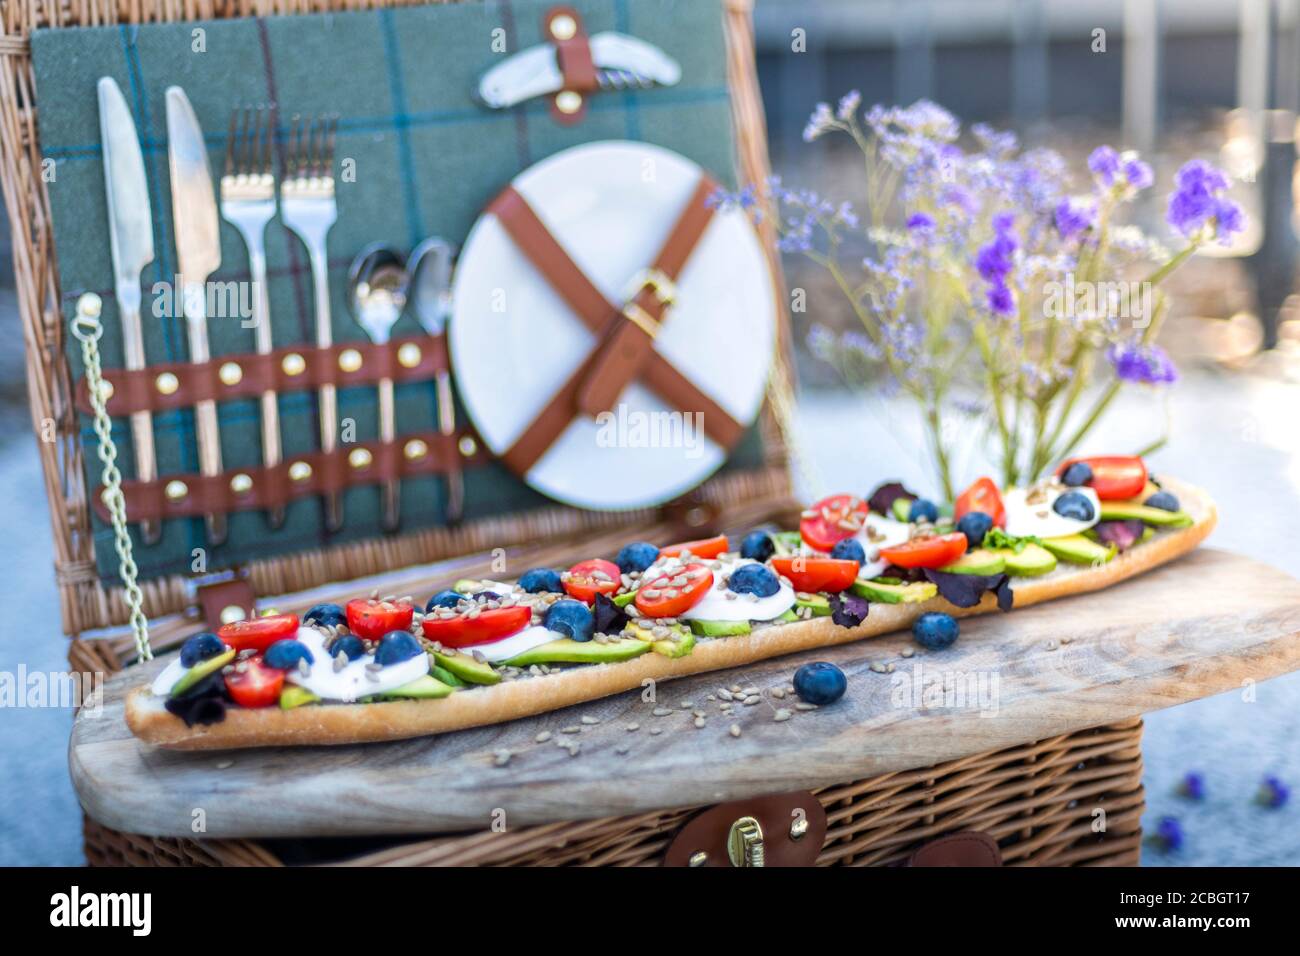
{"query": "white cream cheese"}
[(726, 605), (167, 677), (354, 680), (880, 532), (1039, 519), (515, 644)]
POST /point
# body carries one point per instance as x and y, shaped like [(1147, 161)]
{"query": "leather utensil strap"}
[(596, 376)]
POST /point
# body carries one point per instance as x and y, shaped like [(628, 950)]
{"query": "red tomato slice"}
[(981, 496), (669, 595), (937, 551), (1114, 477), (824, 523), (586, 579), (258, 633), (703, 548), (490, 624), (256, 685), (817, 574), (370, 620)]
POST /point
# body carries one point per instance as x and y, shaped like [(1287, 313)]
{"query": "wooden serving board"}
[(1207, 623)]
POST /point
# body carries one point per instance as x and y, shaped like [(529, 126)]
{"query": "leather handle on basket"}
[(564, 26)]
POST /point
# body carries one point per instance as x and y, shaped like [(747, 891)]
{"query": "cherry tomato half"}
[(370, 620), (588, 578), (817, 574), (258, 633), (490, 624), (1114, 477), (703, 548), (981, 496), (256, 684), (674, 593), (827, 521), (936, 551)]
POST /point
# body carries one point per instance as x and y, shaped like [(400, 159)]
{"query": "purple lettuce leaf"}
[(1122, 534), (608, 617), (204, 703), (848, 610), (965, 590), (883, 498)]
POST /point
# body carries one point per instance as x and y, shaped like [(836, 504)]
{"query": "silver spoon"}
[(430, 270), (377, 287)]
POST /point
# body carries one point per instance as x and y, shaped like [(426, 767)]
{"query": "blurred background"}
[(1176, 79)]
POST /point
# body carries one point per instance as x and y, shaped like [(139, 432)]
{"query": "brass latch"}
[(745, 843)]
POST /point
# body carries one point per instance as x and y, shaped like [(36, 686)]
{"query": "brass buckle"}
[(641, 319), (658, 282)]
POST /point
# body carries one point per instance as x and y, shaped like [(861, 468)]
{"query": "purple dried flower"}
[(1197, 202), (1000, 300), (920, 222), (1193, 785), (1073, 218), (1169, 833), (848, 105), (1104, 163), (1138, 173), (1143, 364), (1273, 793)]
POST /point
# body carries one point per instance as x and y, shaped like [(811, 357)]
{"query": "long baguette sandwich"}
[(484, 652)]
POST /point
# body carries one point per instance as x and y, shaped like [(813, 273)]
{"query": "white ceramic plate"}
[(513, 341)]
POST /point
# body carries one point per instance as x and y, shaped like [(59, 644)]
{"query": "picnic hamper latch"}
[(784, 829), (222, 598)]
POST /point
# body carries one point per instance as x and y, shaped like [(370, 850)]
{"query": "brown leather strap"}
[(216, 598), (629, 346), (289, 369), (604, 319), (572, 54), (967, 848), (269, 488)]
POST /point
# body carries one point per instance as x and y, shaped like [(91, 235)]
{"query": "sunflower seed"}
[(699, 722), (686, 704), (877, 667), (751, 701), (656, 731), (633, 726), (777, 692), (724, 693), (541, 738), (501, 758), (661, 711), (907, 652), (590, 720), (805, 706), (734, 730), (571, 730), (782, 714)]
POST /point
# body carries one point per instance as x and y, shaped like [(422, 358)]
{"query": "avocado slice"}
[(788, 616), (889, 593), (902, 507), (979, 561), (568, 651), (817, 603), (424, 688), (294, 696), (1128, 510), (465, 667), (787, 542), (1077, 549), (624, 599), (1030, 561), (720, 628), (679, 645), (201, 670), (446, 676), (467, 586)]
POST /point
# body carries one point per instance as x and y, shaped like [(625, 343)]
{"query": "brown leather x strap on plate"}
[(625, 334)]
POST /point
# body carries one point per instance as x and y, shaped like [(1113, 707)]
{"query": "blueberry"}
[(200, 647), (636, 557), (923, 509), (541, 579), (849, 549), (935, 630), (974, 525), (570, 618), (287, 653), (820, 683), (757, 546), (1076, 505), (326, 615), (444, 599), (397, 646), (1080, 473), (754, 579), (350, 645), (1164, 500)]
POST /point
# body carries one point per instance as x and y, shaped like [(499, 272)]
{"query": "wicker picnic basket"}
[(1036, 799)]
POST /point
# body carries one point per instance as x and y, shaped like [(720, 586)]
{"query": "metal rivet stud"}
[(230, 373), (360, 458), (299, 471), (568, 102), (241, 484), (232, 613), (167, 383), (409, 355), (293, 364), (799, 828), (350, 360), (415, 448), (106, 389), (698, 858), (564, 27), (176, 490), (467, 445)]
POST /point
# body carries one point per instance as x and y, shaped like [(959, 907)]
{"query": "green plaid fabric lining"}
[(427, 159)]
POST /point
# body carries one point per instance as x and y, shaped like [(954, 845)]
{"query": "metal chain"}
[(87, 330)]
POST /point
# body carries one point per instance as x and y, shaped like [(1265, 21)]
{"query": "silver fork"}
[(248, 204), (307, 207)]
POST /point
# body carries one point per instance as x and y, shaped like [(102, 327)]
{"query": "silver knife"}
[(198, 253), (130, 233)]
